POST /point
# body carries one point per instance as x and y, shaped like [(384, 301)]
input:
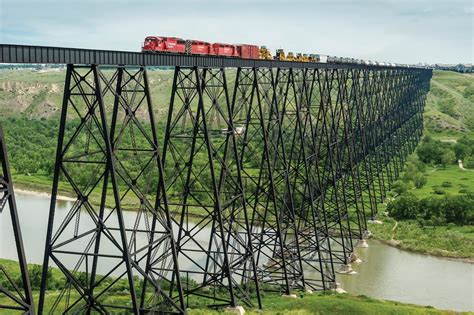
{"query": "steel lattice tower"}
[(18, 291)]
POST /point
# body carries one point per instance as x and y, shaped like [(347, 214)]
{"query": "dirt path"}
[(394, 229), (461, 166)]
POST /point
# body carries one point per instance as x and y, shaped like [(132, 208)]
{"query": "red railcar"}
[(165, 44), (198, 47), (228, 50), (248, 51)]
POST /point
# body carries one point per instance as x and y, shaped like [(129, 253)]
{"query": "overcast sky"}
[(386, 30)]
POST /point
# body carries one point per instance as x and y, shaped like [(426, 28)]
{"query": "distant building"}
[(461, 67), (464, 68)]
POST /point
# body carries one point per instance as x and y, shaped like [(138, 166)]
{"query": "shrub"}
[(469, 162), (446, 184), (400, 187), (419, 181), (439, 191)]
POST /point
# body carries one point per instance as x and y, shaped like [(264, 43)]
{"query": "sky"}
[(403, 31)]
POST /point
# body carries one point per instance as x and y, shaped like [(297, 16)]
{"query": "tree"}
[(429, 150), (462, 151), (404, 207), (448, 157)]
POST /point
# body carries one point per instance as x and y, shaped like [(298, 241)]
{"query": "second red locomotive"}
[(181, 46)]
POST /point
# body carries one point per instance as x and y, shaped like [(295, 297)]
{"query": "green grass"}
[(450, 179), (309, 304), (449, 107), (452, 241), (318, 303), (332, 304), (444, 241)]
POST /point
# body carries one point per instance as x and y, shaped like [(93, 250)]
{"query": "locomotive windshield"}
[(150, 39)]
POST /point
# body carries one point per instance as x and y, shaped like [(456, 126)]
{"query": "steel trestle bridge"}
[(262, 177)]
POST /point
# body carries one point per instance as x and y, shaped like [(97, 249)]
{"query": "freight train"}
[(162, 44)]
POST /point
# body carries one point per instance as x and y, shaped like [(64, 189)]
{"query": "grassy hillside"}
[(449, 120), (36, 94), (450, 104), (449, 107)]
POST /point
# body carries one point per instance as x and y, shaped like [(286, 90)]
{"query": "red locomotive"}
[(181, 46)]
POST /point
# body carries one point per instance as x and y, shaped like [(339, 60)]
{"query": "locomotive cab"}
[(151, 43)]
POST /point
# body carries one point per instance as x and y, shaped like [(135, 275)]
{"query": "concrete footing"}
[(353, 258), (309, 291), (346, 270), (336, 287), (272, 263), (367, 234), (362, 243), (235, 310), (291, 296)]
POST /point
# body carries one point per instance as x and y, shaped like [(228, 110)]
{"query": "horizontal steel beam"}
[(61, 55)]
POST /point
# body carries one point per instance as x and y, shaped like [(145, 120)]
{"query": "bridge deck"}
[(61, 55)]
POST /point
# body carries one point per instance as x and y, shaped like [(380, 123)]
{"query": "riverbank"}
[(332, 303), (317, 303), (453, 242), (39, 186)]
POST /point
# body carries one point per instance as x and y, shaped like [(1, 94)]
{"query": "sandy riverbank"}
[(41, 194)]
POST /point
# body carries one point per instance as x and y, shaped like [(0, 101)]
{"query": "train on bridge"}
[(163, 44)]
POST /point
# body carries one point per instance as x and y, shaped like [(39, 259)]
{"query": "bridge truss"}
[(15, 293), (260, 177)]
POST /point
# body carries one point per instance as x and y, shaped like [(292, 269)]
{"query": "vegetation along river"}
[(386, 272)]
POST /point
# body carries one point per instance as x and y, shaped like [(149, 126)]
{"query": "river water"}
[(386, 272)]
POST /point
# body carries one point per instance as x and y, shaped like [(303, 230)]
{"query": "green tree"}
[(461, 151), (448, 157), (404, 207)]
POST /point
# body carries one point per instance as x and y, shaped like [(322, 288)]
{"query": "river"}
[(386, 272)]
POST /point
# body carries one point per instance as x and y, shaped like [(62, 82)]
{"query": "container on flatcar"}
[(248, 51), (221, 49)]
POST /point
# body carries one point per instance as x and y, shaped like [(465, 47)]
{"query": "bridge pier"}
[(92, 155), (17, 291)]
